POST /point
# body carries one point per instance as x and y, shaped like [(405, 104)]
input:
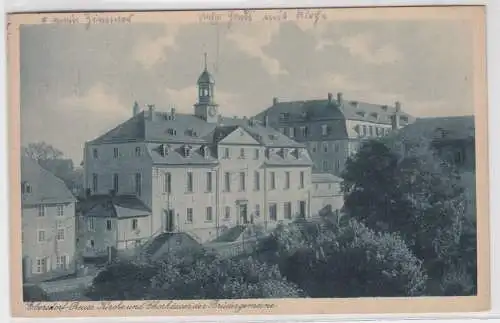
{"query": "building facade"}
[(201, 173), (48, 224), (332, 129), (327, 196)]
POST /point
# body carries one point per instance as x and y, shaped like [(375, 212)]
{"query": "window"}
[(272, 177), (60, 234), (302, 179), (257, 210), (287, 180), (208, 217), (364, 132), (292, 132), (189, 182), (227, 182), (41, 210), (41, 235), (242, 153), (337, 165), (209, 182), (41, 265), (226, 153), (90, 243), (288, 210), (336, 147), (167, 183), (94, 183), (189, 215), (324, 130), (325, 147), (115, 152), (95, 153), (115, 183), (371, 130), (91, 223), (60, 210), (135, 224), (273, 212), (256, 154), (256, 180), (325, 165), (62, 262), (304, 131), (138, 180), (26, 188), (108, 225), (313, 147), (227, 212), (242, 182), (137, 151)]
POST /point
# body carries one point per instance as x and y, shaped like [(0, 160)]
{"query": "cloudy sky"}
[(76, 83)]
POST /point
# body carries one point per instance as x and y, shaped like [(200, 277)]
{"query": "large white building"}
[(201, 173)]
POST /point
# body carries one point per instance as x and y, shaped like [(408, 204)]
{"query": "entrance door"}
[(169, 220), (243, 213), (302, 209)]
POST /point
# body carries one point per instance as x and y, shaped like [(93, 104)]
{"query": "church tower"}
[(206, 108)]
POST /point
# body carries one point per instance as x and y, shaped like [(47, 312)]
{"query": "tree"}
[(41, 150), (345, 259), (418, 196)]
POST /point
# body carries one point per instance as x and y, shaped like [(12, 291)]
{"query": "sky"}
[(78, 82)]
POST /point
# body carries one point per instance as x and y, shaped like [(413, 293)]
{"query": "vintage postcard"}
[(270, 161)]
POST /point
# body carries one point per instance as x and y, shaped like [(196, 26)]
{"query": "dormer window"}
[(384, 107), (404, 118), (26, 188), (374, 115), (205, 151), (138, 151), (95, 153), (360, 113), (191, 132), (186, 151), (272, 137), (171, 132), (284, 116), (354, 103)]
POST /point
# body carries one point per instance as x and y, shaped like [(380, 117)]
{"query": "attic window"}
[(304, 114), (384, 107), (205, 151), (191, 132), (375, 115), (26, 188), (186, 150), (404, 118), (354, 103), (360, 113), (272, 137), (163, 150), (172, 132), (284, 116)]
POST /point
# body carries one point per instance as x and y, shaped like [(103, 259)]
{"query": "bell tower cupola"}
[(206, 108)]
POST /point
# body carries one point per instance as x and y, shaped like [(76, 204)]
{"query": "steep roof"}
[(439, 128), (325, 178), (186, 128), (119, 206), (330, 109), (44, 187)]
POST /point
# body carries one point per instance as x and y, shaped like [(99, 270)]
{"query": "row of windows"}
[(326, 130), (42, 209), (371, 131), (116, 152), (134, 224), (42, 265), (324, 147), (242, 153), (327, 165), (116, 183), (41, 235), (228, 177), (273, 212)]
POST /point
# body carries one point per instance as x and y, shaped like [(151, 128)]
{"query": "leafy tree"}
[(420, 197), (42, 150), (344, 259)]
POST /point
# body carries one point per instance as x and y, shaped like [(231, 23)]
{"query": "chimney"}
[(339, 98), (136, 108), (397, 104), (395, 121), (266, 120), (151, 108), (172, 113), (275, 101), (330, 97)]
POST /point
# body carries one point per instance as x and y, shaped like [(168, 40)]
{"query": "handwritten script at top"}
[(248, 16), (88, 19)]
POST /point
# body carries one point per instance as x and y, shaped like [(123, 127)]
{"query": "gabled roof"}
[(189, 129), (329, 110), (325, 178), (107, 206), (45, 187), (439, 128)]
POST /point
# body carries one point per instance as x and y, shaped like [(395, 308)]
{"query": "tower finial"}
[(205, 61)]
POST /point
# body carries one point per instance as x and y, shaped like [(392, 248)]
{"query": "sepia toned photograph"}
[(281, 157)]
